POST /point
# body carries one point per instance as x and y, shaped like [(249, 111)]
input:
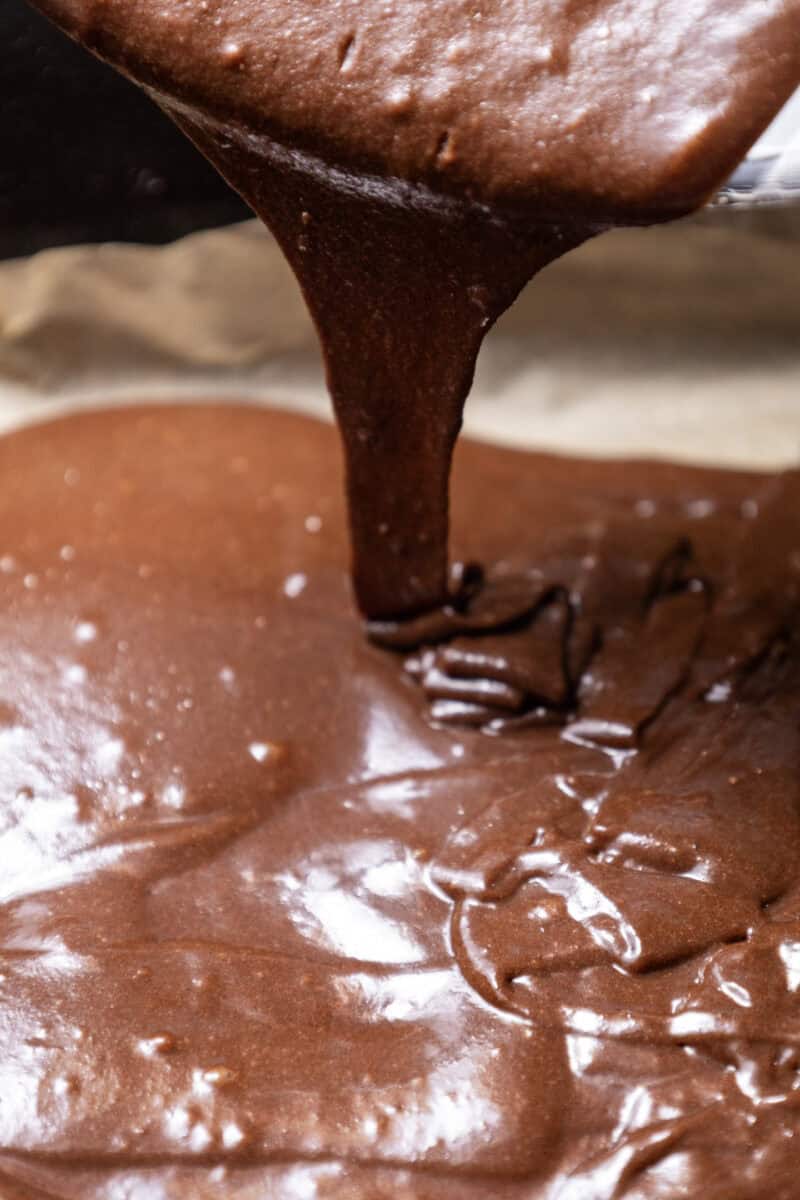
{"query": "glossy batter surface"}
[(279, 916), (616, 107)]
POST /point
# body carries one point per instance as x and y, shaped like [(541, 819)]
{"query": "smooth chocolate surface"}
[(420, 162), (272, 926)]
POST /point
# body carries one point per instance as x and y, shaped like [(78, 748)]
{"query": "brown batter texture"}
[(503, 904), (608, 107), (282, 918), (420, 162)]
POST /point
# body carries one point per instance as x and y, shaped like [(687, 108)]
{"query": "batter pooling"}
[(266, 929), (504, 908)]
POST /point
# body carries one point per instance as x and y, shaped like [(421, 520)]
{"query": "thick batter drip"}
[(266, 930), (280, 919), (420, 162)]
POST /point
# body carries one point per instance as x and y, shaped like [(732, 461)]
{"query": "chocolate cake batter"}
[(505, 907), (267, 930), (420, 162)]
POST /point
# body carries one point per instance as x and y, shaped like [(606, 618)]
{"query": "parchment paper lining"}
[(680, 342)]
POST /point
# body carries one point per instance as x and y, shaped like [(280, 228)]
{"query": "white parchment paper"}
[(678, 342)]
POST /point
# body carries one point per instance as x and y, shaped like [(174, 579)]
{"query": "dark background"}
[(84, 156)]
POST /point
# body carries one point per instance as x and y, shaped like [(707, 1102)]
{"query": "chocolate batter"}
[(511, 911), (268, 931), (420, 162)]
